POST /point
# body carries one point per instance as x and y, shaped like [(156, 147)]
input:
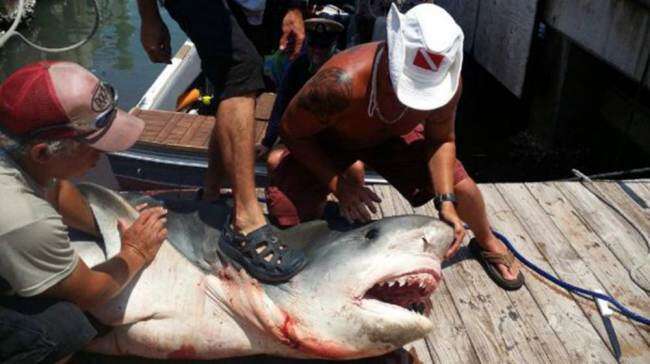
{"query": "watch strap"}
[(443, 197)]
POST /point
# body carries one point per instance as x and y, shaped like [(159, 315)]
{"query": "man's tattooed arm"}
[(327, 94), (320, 100)]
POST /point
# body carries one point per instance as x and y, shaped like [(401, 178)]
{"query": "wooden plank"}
[(599, 259), (264, 106), (624, 242), (631, 209), (504, 33), (402, 206), (563, 315), (168, 128), (641, 189), (377, 215), (448, 341), (260, 130), (465, 12), (420, 350), (387, 206), (426, 209), (569, 266), (620, 37), (179, 131), (190, 134), (515, 321)]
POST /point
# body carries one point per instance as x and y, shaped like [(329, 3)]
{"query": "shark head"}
[(364, 292)]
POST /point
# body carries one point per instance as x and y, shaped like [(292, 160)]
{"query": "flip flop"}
[(488, 261), (262, 254)]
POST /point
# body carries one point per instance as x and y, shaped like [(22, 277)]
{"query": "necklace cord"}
[(373, 104)]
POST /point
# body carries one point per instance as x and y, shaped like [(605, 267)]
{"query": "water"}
[(114, 54)]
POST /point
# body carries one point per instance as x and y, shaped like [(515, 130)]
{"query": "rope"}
[(571, 288), (578, 290), (12, 32), (608, 174)]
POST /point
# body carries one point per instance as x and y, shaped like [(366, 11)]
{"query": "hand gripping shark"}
[(365, 291)]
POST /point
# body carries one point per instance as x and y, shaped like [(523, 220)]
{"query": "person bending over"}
[(390, 106)]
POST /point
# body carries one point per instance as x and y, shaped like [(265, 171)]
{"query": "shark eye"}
[(372, 234)]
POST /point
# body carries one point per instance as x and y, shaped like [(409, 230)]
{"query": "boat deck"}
[(566, 230), (191, 133)]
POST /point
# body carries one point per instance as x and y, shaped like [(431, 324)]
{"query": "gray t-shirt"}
[(35, 250)]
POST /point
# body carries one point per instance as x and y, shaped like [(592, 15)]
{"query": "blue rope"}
[(571, 288)]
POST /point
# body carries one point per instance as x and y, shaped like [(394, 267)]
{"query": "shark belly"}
[(166, 312)]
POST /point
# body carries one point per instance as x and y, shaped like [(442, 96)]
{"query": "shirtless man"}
[(390, 106)]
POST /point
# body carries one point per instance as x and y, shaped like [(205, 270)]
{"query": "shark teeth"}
[(409, 291), (424, 281)]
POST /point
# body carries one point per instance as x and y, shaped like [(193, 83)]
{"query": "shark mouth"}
[(410, 291)]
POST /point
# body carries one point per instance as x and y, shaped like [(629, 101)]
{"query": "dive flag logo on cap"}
[(101, 99), (427, 60)]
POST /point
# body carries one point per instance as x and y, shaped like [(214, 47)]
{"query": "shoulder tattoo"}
[(327, 94)]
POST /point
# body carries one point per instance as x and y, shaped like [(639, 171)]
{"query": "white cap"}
[(425, 55)]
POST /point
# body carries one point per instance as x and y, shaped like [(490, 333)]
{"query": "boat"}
[(172, 151)]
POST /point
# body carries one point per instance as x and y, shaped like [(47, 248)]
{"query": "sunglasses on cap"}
[(101, 121)]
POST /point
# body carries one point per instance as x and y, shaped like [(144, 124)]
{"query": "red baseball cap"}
[(59, 100)]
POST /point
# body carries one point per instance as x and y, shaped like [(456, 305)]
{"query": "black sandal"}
[(262, 254)]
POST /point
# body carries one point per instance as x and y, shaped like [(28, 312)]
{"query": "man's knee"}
[(282, 211), (293, 195), (274, 159)]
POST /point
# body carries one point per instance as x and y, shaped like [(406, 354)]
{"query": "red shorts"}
[(295, 195)]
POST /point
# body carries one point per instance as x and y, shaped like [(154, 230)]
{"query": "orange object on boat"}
[(187, 98)]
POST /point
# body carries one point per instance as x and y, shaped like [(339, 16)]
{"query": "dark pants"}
[(38, 330), (229, 59)]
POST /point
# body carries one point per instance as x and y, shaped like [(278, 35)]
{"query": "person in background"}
[(56, 118), (322, 36), (233, 65), (391, 106)]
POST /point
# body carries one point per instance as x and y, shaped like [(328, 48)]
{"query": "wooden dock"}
[(567, 231)]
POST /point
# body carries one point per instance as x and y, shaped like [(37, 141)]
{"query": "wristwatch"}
[(439, 199)]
